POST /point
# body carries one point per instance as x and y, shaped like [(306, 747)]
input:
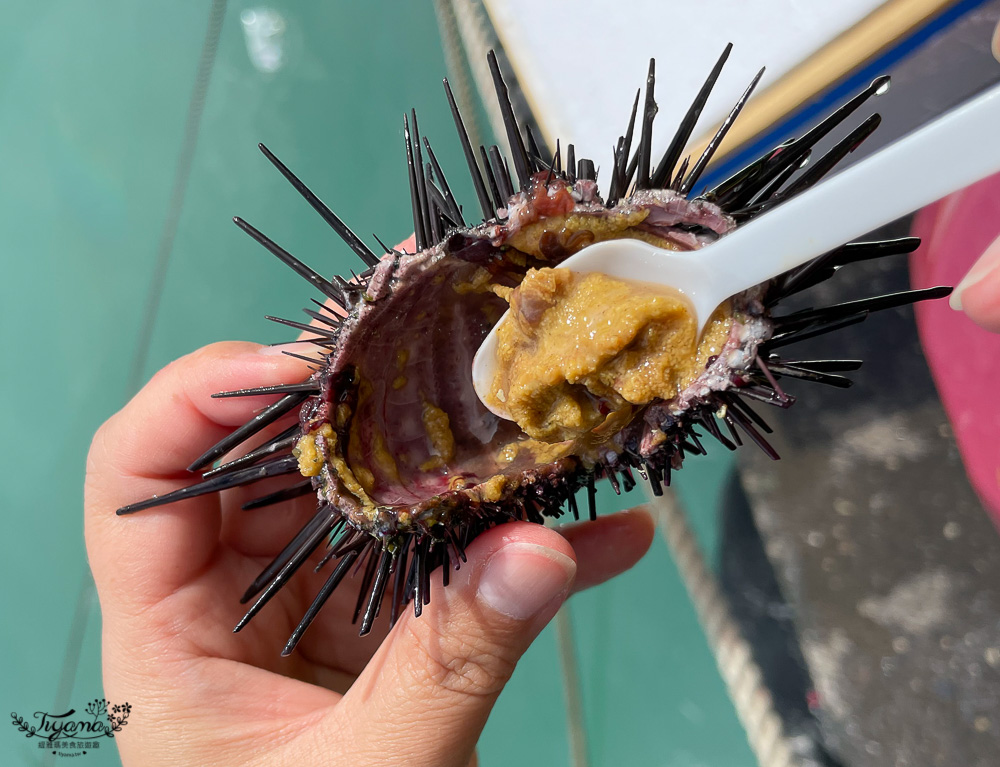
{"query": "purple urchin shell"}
[(407, 465), (405, 355)]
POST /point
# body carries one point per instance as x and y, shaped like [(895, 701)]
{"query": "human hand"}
[(168, 579), (978, 294)]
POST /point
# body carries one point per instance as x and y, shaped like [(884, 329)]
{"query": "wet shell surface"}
[(406, 464)]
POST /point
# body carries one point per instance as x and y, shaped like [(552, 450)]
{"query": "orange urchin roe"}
[(492, 489), (363, 464), (561, 236), (479, 282), (308, 453), (540, 452), (580, 351), (442, 441)]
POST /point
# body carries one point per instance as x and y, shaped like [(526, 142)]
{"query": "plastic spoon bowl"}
[(948, 154)]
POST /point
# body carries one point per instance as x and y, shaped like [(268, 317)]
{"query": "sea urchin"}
[(406, 464)]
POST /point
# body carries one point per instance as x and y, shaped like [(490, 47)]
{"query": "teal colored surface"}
[(93, 102), (650, 689)]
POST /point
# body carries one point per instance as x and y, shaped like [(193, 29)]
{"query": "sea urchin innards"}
[(406, 463)]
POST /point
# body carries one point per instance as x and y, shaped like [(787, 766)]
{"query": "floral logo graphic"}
[(70, 734)]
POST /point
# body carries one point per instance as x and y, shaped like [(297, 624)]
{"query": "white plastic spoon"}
[(953, 151)]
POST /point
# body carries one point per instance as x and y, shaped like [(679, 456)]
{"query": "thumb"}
[(425, 696)]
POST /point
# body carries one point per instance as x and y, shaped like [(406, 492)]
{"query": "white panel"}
[(581, 62)]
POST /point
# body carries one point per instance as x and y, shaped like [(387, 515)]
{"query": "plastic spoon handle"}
[(948, 154)]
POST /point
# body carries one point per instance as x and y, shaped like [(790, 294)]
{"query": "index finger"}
[(978, 294), (143, 451)]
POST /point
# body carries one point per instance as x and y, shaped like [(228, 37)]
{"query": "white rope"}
[(740, 673)]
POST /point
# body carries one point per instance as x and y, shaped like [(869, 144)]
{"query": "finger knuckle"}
[(474, 666)]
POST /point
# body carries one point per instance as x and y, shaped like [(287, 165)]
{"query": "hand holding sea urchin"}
[(406, 463)]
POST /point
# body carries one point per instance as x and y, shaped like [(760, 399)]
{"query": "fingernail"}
[(521, 579), (987, 263)]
